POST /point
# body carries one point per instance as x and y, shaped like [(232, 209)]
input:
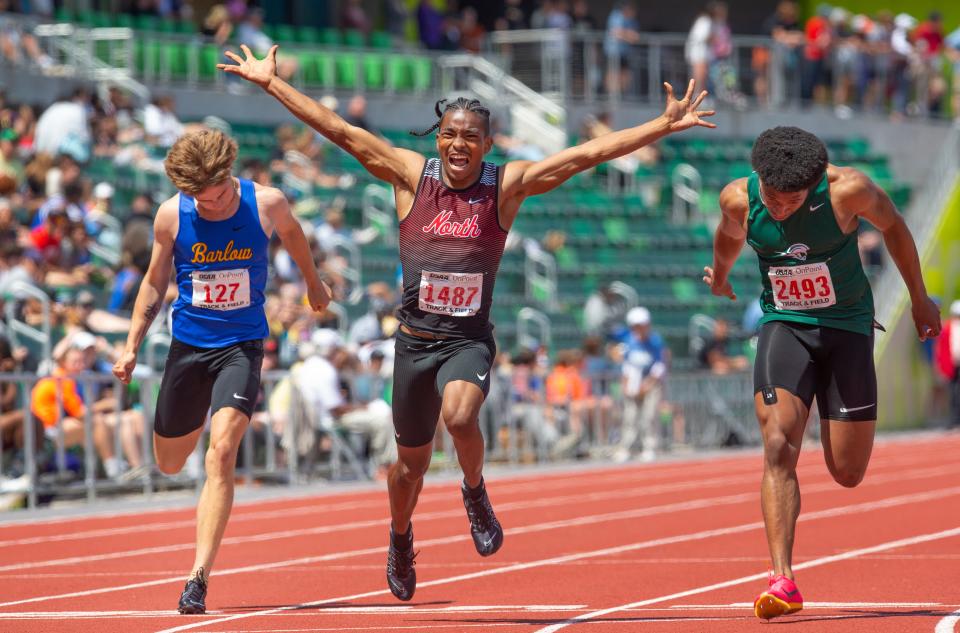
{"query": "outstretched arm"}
[(729, 239), (526, 178), (865, 198), (399, 167)]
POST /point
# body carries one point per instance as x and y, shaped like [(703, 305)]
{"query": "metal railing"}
[(540, 270), (98, 54), (352, 271), (536, 118), (18, 329), (379, 210), (282, 445), (687, 185)]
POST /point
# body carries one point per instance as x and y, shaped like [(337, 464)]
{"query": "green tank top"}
[(810, 269)]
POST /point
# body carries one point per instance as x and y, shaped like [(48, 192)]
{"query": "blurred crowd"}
[(902, 64)]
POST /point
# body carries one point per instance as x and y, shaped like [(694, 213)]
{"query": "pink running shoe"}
[(781, 598)]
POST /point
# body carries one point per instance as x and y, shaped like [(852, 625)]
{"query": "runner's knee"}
[(412, 470), (848, 475), (220, 460), (170, 464), (778, 452)]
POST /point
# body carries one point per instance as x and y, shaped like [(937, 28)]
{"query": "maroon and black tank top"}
[(451, 243)]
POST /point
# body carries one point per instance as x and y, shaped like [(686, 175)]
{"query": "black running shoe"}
[(486, 530), (401, 575), (193, 596)]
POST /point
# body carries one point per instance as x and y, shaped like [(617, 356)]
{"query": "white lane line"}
[(332, 611), (641, 490), (904, 542), (806, 606), (696, 536), (949, 623), (433, 491), (827, 486), (537, 527)]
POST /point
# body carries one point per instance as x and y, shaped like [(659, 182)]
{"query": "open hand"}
[(683, 114), (258, 71)]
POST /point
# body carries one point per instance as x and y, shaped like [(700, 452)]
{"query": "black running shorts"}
[(196, 379), (834, 365), (421, 370)]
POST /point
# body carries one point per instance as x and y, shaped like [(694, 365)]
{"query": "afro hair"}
[(789, 159)]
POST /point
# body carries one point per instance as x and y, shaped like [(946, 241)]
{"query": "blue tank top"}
[(221, 275)]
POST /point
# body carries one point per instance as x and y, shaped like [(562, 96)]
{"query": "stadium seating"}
[(608, 237)]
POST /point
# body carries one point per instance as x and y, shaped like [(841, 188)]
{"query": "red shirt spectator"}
[(929, 35), (819, 38)]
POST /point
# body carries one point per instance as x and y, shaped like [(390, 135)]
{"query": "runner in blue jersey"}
[(215, 232)]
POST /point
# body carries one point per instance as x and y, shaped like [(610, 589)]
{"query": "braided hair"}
[(462, 103)]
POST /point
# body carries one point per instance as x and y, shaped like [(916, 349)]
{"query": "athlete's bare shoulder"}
[(850, 188), (167, 221), (734, 199), (268, 197)]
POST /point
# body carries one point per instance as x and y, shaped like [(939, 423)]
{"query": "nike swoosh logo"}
[(472, 201), (483, 377), (239, 397), (239, 228), (845, 410), (488, 543), (814, 208)]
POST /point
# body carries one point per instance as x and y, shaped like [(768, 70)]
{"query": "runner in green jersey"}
[(800, 214)]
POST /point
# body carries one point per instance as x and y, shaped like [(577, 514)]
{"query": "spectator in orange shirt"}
[(568, 394), (44, 405)]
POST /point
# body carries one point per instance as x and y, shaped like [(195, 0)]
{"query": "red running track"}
[(676, 546)]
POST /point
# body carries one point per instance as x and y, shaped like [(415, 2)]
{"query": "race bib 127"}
[(221, 289)]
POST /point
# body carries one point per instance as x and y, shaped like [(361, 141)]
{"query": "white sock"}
[(113, 466)]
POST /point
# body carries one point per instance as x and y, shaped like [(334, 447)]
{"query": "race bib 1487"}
[(452, 294)]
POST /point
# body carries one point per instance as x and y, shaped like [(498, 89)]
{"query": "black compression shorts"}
[(196, 379), (421, 370), (834, 365)]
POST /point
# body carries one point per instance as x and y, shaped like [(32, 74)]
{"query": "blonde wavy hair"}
[(199, 160)]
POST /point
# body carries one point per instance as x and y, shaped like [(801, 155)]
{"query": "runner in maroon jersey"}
[(454, 214)]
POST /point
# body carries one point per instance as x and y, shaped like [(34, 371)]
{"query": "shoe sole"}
[(769, 606), (191, 611)]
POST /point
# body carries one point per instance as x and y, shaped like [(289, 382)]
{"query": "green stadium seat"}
[(354, 38), (186, 27), (308, 34), (102, 20), (173, 60), (381, 39), (125, 20), (207, 61), (167, 25), (373, 72), (63, 14), (346, 69), (285, 33), (422, 74), (317, 68), (399, 75), (147, 22), (330, 37)]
